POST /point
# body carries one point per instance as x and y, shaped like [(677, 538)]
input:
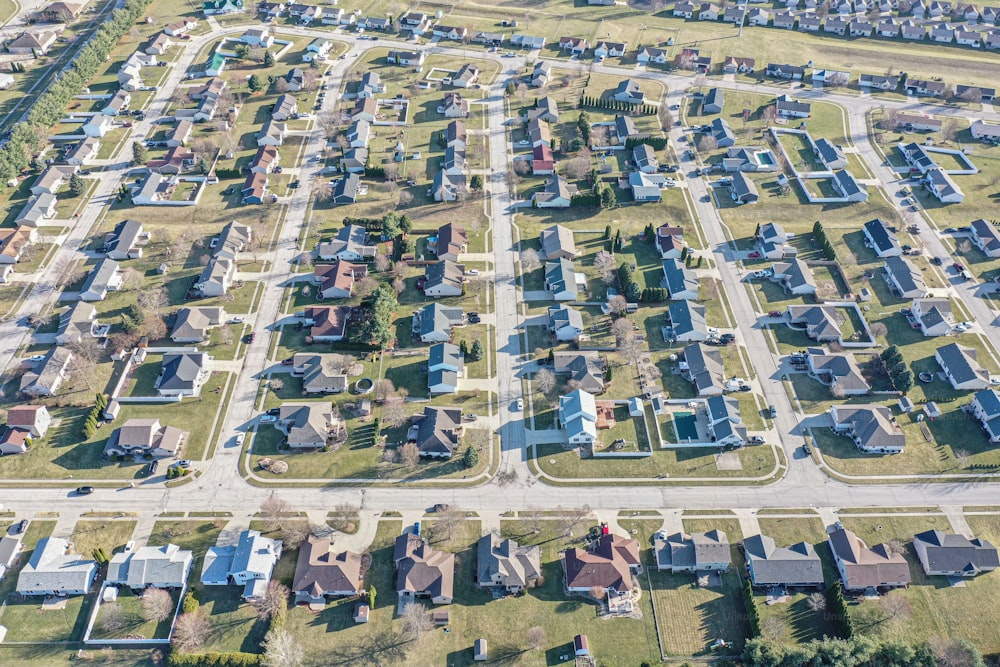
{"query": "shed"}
[(932, 410), (905, 404), (364, 407), (635, 406), (111, 410), (441, 617), (581, 646), (479, 650), (361, 612), (110, 594)]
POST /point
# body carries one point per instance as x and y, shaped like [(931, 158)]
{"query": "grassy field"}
[(107, 535), (136, 625)]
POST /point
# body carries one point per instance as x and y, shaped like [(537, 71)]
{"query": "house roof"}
[(24, 416), (444, 354), (585, 368), (578, 402), (883, 239), (194, 322), (772, 564), (321, 569), (842, 368), (557, 239), (308, 424), (168, 564), (871, 425), (695, 550), (987, 234), (956, 553), (960, 362), (445, 273), (988, 400), (796, 273), (329, 320), (563, 315), (819, 320), (904, 274), (867, 567), (560, 275), (686, 317), (625, 126), (52, 568), (422, 569), (350, 238), (438, 430), (704, 366), (256, 553), (340, 275), (607, 565), (437, 318), (742, 186), (678, 277), (181, 371), (515, 565)]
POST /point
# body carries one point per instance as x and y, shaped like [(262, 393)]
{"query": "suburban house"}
[(444, 278), (183, 374), (575, 45), (772, 242), (407, 58), (881, 239), (47, 379), (950, 555), (940, 184), (609, 564), (433, 323), (903, 278), (565, 322), (933, 316), (353, 162), (423, 572), (192, 324), (35, 44), (79, 322), (702, 366), (43, 207), (986, 408), (820, 322), (786, 107), (437, 431), (724, 422), (53, 571), (649, 54), (862, 568), (321, 572), (540, 74), (233, 240), (305, 425), (358, 134), (336, 281), (687, 322), (33, 419), (445, 365), (680, 281), (248, 564), (788, 72), (794, 276), (318, 375), (961, 367), (160, 567), (53, 179), (838, 371), (872, 428), (878, 81), (830, 154), (346, 189), (735, 65), (605, 49), (670, 241), (722, 133), (350, 244), (106, 277), (272, 133), (697, 552), (628, 91), (986, 237), (450, 242), (118, 103), (467, 75), (982, 130), (455, 106), (449, 187), (743, 190), (578, 416), (645, 187), (145, 437), (849, 187), (585, 368), (216, 278), (327, 324), (124, 242), (771, 566), (505, 567), (561, 280), (645, 158), (285, 108), (750, 159)]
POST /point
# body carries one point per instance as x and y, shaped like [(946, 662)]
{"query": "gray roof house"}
[(722, 133), (743, 190), (770, 565), (318, 376), (681, 282), (986, 408), (106, 277), (881, 239), (433, 322), (772, 242), (52, 570), (904, 278), (422, 571), (47, 379), (125, 242), (713, 101), (830, 154), (437, 431), (934, 316), (161, 567), (986, 237), (504, 565), (849, 187), (351, 244), (820, 322), (703, 367), (306, 425), (183, 374), (565, 322), (249, 563), (872, 428), (697, 552), (645, 158), (953, 555), (724, 421), (560, 279), (578, 417), (557, 243), (445, 365), (839, 371), (794, 276), (77, 323), (629, 91), (962, 368), (585, 368), (444, 278), (193, 324), (687, 323), (145, 437)]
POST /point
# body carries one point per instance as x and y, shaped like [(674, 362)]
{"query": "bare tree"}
[(569, 519), (950, 652), (597, 593), (578, 167), (707, 143), (962, 456), (324, 192), (624, 331), (536, 638), (769, 114), (529, 260), (896, 607), (949, 130), (281, 649), (191, 630), (273, 511), (394, 411), (405, 198), (273, 601), (276, 384), (604, 262), (772, 628), (878, 329), (157, 604), (113, 617), (365, 287), (399, 285), (294, 533), (409, 455), (446, 522), (618, 304), (417, 620), (329, 123), (281, 85), (383, 389), (816, 601), (666, 118), (344, 516), (545, 381)]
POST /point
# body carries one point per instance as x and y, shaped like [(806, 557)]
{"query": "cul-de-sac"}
[(596, 333)]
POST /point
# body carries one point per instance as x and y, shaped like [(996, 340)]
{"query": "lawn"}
[(106, 535), (135, 625)]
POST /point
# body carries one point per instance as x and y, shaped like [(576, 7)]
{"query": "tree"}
[(273, 511), (896, 607), (380, 327), (903, 381), (113, 617), (382, 263), (949, 130), (77, 186), (578, 167), (950, 652), (191, 630), (536, 638), (256, 83), (618, 304), (597, 593), (471, 457), (383, 389), (476, 182), (409, 455), (269, 61), (140, 154), (529, 260), (707, 143), (962, 456), (477, 352), (624, 331), (772, 628), (344, 517), (365, 287), (608, 197), (416, 620), (569, 519), (816, 601), (281, 649), (394, 411), (545, 381), (273, 602), (604, 262), (157, 604), (878, 329)]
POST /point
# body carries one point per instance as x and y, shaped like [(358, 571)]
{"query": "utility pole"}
[(746, 5)]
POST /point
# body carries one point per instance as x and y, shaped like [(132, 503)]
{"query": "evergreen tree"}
[(477, 351), (268, 59), (471, 457), (77, 186)]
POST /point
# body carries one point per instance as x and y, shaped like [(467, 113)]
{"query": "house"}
[(771, 566), (433, 322), (670, 241), (450, 32), (835, 25), (924, 87), (540, 74), (502, 565), (575, 45), (317, 50), (565, 322), (789, 108), (106, 277), (578, 416), (556, 193), (986, 408), (98, 126), (437, 431), (216, 65), (322, 572), (295, 79), (985, 131), (444, 278), (32, 419), (366, 109), (904, 279), (838, 371), (235, 238), (351, 244), (306, 425), (455, 106), (211, 90), (422, 571), (272, 10), (264, 162), (258, 38), (177, 160), (680, 281), (709, 12), (10, 550), (624, 128), (285, 108), (407, 58), (743, 190), (732, 14), (784, 20), (63, 12), (454, 161), (539, 133), (455, 134), (13, 441), (214, 7), (941, 185), (447, 187), (950, 555), (180, 133), (216, 278), (830, 77), (118, 103), (560, 279), (39, 207), (820, 322), (685, 10), (53, 179), (585, 369), (736, 65), (83, 153), (916, 122), (124, 243), (862, 568), (880, 238), (772, 242), (645, 187), (543, 163), (249, 563), (272, 133), (467, 75), (917, 157), (713, 102), (370, 85), (878, 81), (986, 237), (872, 428), (975, 93), (35, 44), (722, 133), (319, 375), (358, 134), (49, 377), (628, 91), (749, 159), (831, 155), (192, 325), (942, 33), (445, 365), (934, 316), (327, 324), (346, 190), (697, 552), (605, 49), (182, 374), (687, 321), (649, 54), (788, 72), (961, 367), (182, 27), (849, 187), (489, 38), (336, 281), (14, 241), (910, 30), (724, 422), (53, 571), (167, 566), (859, 27), (702, 366), (415, 22), (609, 564)]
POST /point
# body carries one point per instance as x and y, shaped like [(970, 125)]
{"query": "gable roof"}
[(960, 362), (866, 567), (438, 430), (772, 564), (944, 552), (422, 569), (150, 565), (320, 569), (513, 564), (606, 565)]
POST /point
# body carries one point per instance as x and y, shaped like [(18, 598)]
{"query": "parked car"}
[(20, 527), (249, 338), (240, 437), (727, 338), (807, 449), (520, 404), (268, 419), (287, 362), (774, 313), (273, 411), (153, 465), (755, 440), (185, 463), (36, 357), (440, 507), (772, 411)]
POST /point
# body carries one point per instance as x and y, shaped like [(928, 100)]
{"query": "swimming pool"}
[(685, 426)]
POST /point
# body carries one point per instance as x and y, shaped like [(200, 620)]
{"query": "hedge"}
[(753, 616), (215, 659)]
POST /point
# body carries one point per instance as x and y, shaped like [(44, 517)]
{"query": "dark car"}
[(937, 261), (294, 184), (274, 412), (772, 411), (440, 507), (250, 337), (153, 465), (807, 449), (84, 490), (958, 267), (727, 338), (20, 527), (287, 362)]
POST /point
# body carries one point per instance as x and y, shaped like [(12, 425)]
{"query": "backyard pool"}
[(685, 426)]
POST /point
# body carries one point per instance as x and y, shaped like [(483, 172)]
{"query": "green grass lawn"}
[(107, 535), (136, 625)]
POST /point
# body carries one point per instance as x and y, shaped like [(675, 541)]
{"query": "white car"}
[(37, 357), (968, 324), (238, 319), (669, 182), (304, 115), (520, 404), (523, 142), (472, 272), (240, 437)]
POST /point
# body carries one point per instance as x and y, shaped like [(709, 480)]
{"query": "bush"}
[(629, 287), (190, 603), (471, 458), (234, 659)]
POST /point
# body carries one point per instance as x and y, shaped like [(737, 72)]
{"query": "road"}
[(221, 487)]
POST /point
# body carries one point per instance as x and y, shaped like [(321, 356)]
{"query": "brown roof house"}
[(144, 436), (422, 571), (306, 425), (506, 567), (451, 241), (321, 572), (608, 565), (437, 431), (862, 568)]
